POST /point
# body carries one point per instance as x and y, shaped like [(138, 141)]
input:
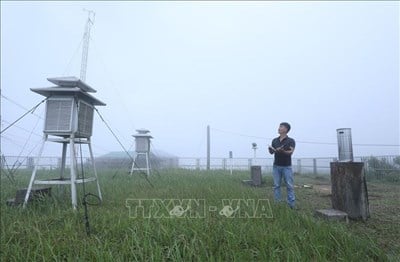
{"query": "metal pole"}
[(133, 164), (315, 166), (28, 191), (74, 198), (208, 148), (63, 159), (147, 164), (94, 169)]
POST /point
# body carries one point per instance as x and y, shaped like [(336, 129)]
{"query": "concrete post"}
[(314, 166), (208, 148), (349, 189), (299, 166)]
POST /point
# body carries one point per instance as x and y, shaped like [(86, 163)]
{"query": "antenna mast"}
[(86, 38)]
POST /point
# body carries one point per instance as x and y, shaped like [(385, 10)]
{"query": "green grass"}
[(50, 230)]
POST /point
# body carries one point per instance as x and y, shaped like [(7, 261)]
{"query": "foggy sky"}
[(240, 67)]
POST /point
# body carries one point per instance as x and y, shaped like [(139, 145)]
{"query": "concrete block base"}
[(332, 214)]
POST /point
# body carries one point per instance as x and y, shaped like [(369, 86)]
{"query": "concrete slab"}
[(332, 214), (36, 193), (250, 183)]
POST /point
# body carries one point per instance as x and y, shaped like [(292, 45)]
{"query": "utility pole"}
[(208, 148), (86, 38)]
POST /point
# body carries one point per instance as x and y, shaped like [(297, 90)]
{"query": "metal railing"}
[(300, 165)]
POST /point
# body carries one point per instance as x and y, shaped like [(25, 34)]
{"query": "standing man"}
[(283, 148)]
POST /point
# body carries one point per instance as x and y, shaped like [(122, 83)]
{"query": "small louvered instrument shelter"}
[(142, 148), (69, 121)]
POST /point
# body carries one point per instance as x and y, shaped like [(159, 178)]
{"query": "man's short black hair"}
[(285, 124)]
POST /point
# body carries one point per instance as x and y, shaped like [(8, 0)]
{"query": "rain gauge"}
[(345, 145)]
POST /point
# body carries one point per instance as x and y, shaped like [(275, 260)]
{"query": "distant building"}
[(120, 160)]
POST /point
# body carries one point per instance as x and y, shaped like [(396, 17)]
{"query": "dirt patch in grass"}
[(323, 189)]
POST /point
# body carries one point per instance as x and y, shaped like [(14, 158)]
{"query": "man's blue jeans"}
[(287, 174)]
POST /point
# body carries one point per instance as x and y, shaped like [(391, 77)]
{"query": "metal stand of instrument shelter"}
[(136, 168), (73, 180)]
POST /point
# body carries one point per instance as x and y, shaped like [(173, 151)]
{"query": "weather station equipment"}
[(348, 183), (255, 170), (345, 145), (254, 146), (142, 150), (69, 121), (69, 115)]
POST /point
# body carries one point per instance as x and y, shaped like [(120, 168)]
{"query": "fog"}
[(240, 67)]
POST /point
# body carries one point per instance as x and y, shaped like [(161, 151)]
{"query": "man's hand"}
[(287, 152), (271, 150)]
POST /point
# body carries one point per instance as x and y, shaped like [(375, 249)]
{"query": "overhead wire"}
[(125, 108), (19, 105), (119, 141), (11, 140), (19, 142), (29, 137), (113, 133), (73, 56), (17, 163), (301, 141), (112, 83), (9, 174), (122, 163), (152, 164), (21, 128), (21, 117)]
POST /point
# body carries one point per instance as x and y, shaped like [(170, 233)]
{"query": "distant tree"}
[(396, 160), (376, 163)]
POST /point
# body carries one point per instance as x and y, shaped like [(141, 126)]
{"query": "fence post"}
[(315, 166), (224, 163), (250, 162), (208, 149), (299, 166), (30, 163), (366, 165)]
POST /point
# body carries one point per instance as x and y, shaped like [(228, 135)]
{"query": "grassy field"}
[(50, 230)]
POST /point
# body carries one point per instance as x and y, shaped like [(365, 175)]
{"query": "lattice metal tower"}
[(86, 40)]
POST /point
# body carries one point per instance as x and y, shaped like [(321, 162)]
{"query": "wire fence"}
[(376, 164)]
